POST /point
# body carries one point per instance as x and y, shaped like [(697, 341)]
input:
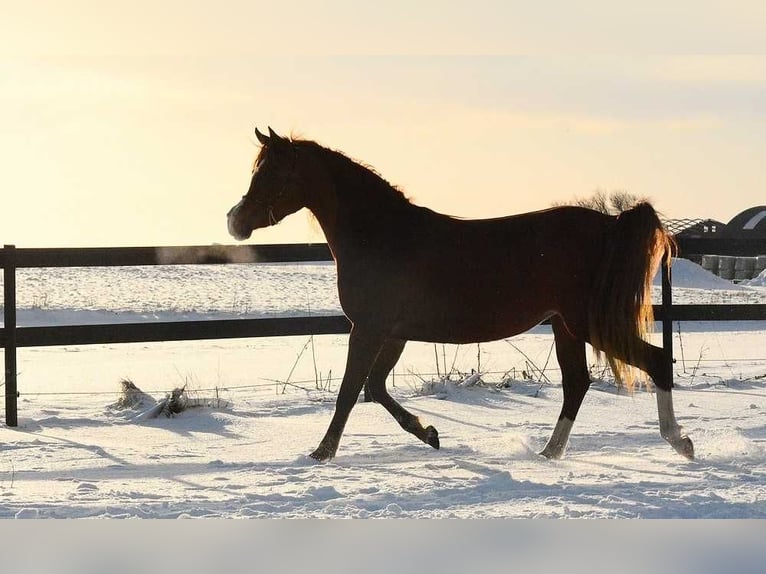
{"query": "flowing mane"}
[(353, 175)]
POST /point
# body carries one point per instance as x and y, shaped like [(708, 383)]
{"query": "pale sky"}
[(133, 125)]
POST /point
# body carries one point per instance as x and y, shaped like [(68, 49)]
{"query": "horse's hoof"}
[(432, 437), (322, 454), (684, 447), (552, 454)]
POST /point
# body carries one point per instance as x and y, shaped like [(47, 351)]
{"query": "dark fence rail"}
[(729, 312), (191, 255), (152, 332), (13, 337)]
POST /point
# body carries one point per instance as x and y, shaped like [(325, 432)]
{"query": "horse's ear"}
[(261, 138), (277, 142), (273, 135)]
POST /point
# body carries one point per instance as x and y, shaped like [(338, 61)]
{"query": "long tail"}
[(620, 310)]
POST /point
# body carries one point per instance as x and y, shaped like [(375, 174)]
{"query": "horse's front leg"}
[(387, 358), (363, 349)]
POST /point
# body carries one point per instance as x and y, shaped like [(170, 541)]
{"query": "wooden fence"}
[(13, 337)]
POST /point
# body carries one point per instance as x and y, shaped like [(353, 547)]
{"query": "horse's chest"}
[(366, 291)]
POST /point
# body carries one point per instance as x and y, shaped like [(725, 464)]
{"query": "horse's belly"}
[(468, 325)]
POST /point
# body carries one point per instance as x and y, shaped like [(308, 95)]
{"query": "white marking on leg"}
[(559, 439), (669, 428)]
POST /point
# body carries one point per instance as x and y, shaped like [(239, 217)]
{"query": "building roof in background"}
[(694, 227), (749, 223)]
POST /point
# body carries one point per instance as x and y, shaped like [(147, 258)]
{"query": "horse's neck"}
[(326, 216), (357, 207)]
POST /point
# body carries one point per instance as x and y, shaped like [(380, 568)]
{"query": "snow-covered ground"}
[(77, 454)]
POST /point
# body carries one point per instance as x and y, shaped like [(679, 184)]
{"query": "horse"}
[(588, 272)]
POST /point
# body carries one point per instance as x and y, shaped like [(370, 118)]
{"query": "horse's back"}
[(517, 236), (541, 247)]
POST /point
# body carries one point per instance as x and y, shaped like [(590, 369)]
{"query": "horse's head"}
[(275, 190)]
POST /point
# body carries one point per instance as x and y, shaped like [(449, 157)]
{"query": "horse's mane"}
[(354, 175), (259, 158)]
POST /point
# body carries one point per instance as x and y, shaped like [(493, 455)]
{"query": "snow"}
[(686, 274), (759, 281), (78, 454)]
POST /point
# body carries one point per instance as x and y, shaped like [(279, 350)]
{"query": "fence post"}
[(9, 307), (667, 318)]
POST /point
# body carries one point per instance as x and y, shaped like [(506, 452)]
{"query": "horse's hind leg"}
[(363, 349), (570, 353), (387, 358), (652, 361)]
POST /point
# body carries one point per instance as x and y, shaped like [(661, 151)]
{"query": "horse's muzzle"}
[(234, 224)]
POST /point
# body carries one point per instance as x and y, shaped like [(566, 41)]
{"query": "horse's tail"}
[(620, 311)]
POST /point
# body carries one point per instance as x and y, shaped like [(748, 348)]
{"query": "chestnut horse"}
[(589, 273)]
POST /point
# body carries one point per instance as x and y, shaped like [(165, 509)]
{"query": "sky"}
[(133, 125)]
